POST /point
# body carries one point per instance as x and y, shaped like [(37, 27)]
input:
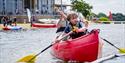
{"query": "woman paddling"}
[(62, 23)]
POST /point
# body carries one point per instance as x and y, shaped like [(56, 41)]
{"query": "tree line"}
[(85, 9)]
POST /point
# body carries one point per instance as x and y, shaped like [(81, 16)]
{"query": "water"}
[(16, 44)]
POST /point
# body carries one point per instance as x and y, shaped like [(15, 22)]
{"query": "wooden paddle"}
[(121, 50), (31, 58)]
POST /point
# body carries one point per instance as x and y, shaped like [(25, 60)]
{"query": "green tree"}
[(118, 17), (101, 15), (81, 6), (94, 15)]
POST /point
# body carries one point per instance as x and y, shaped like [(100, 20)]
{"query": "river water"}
[(16, 44)]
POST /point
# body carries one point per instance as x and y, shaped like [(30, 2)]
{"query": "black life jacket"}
[(75, 34)]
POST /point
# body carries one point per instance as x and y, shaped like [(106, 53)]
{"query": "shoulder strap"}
[(66, 23), (79, 24)]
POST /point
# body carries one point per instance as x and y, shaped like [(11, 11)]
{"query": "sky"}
[(115, 6)]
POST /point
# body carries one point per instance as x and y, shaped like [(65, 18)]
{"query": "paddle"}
[(31, 58), (100, 60), (121, 50)]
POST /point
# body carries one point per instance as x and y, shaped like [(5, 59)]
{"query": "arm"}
[(86, 23), (63, 17), (82, 28), (62, 14)]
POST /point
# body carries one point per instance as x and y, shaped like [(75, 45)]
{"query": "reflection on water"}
[(16, 44)]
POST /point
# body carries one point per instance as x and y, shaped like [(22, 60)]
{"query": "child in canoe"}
[(75, 25)]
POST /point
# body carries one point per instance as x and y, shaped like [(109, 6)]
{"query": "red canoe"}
[(43, 25), (12, 28), (84, 49)]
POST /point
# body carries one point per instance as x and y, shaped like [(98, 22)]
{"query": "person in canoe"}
[(9, 20), (4, 21), (62, 23), (75, 25)]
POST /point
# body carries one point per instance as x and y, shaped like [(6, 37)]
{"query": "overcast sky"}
[(115, 6)]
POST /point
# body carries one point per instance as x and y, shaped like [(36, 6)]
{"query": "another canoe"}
[(84, 48), (43, 25), (48, 20), (12, 28)]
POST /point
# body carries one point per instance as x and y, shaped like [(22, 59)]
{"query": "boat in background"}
[(46, 23), (12, 28), (39, 25), (83, 49), (42, 23)]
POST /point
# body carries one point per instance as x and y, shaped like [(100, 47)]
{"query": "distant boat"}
[(40, 25), (12, 28), (46, 23)]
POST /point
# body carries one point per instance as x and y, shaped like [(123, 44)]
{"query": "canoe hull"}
[(43, 25), (83, 49)]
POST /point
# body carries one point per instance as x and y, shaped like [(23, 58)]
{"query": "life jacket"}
[(75, 34)]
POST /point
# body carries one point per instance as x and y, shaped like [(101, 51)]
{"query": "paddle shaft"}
[(49, 46), (107, 58), (40, 52), (112, 44)]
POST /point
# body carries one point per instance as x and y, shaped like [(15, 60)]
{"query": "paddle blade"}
[(122, 50), (27, 59)]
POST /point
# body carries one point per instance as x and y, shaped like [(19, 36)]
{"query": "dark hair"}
[(73, 15)]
